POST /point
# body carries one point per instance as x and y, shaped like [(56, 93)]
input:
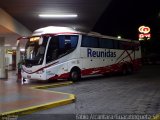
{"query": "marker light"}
[(119, 37), (34, 39), (58, 16), (22, 49)]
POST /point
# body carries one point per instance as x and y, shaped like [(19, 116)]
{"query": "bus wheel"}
[(129, 69), (124, 70), (75, 75)]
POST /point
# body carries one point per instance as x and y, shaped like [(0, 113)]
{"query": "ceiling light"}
[(58, 15)]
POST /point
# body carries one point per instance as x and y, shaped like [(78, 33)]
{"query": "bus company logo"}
[(93, 53), (144, 29)]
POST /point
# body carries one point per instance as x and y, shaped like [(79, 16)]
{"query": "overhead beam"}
[(12, 24)]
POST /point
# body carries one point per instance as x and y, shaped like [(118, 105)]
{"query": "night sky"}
[(123, 17)]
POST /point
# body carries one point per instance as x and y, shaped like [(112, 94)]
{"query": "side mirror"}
[(40, 41)]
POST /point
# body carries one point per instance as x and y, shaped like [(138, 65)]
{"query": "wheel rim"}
[(124, 71), (129, 70), (74, 75)]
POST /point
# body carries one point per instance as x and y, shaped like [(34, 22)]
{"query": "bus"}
[(53, 53)]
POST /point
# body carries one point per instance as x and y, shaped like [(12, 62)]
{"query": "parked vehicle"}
[(63, 53)]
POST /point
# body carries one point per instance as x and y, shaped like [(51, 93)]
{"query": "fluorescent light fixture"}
[(58, 15)]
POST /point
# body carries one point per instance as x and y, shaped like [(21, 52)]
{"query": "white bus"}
[(63, 53)]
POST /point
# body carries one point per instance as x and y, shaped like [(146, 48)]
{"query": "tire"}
[(75, 75), (124, 70), (129, 69)]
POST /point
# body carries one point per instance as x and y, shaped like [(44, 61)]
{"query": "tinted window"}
[(60, 46), (67, 43), (88, 41), (135, 46), (121, 45), (116, 44), (125, 45), (52, 52), (129, 45), (106, 43)]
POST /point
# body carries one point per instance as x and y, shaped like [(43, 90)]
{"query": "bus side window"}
[(52, 52), (116, 44), (135, 47), (106, 43), (89, 41), (67, 43), (122, 45)]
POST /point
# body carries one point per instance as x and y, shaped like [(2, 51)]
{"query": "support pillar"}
[(17, 55), (18, 60), (3, 71)]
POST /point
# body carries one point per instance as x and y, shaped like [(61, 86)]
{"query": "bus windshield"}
[(35, 50)]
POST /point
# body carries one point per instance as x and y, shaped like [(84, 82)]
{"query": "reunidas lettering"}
[(93, 53)]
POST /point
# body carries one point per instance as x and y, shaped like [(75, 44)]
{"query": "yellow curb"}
[(30, 110), (52, 85), (156, 117)]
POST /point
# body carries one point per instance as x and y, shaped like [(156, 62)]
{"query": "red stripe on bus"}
[(128, 55), (100, 70), (40, 68)]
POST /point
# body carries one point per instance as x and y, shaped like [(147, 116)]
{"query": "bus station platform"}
[(18, 99)]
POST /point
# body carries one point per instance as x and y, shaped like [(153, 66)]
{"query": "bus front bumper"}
[(33, 76)]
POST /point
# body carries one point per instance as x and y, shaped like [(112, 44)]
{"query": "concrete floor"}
[(17, 98), (138, 93)]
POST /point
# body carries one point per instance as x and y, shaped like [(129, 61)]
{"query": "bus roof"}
[(67, 30), (95, 34), (53, 30)]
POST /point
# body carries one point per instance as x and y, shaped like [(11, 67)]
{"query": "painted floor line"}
[(52, 85), (45, 106)]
